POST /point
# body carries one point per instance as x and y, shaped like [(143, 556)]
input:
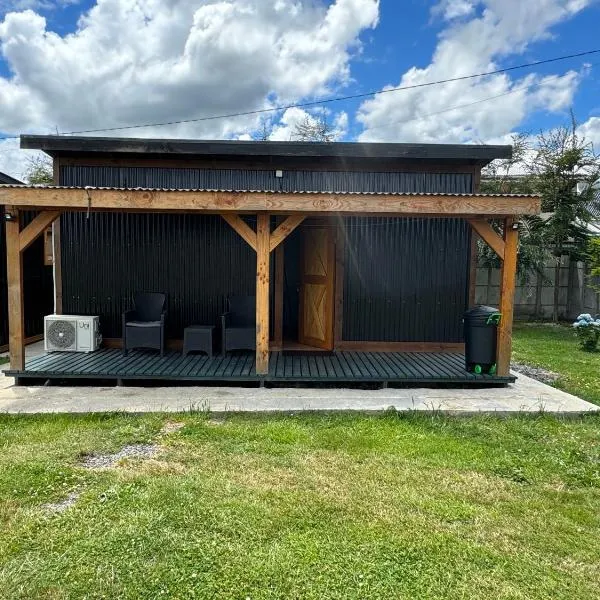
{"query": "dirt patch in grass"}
[(62, 505), (171, 427), (106, 461), (539, 373)]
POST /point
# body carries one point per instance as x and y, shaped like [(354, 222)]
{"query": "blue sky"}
[(67, 65)]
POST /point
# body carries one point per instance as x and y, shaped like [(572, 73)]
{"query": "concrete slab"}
[(525, 396)]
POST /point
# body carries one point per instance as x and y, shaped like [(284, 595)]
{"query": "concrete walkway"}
[(526, 395)]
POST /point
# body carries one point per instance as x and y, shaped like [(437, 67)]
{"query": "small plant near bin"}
[(587, 330)]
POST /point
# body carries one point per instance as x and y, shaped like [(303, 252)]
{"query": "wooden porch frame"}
[(263, 242), (506, 248), (72, 199), (17, 241), (51, 201)]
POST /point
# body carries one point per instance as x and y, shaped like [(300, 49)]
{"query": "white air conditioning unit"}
[(71, 333)]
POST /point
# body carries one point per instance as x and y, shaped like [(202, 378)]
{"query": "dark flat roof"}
[(4, 178), (55, 144)]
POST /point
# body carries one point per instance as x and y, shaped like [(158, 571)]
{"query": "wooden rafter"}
[(242, 228), (488, 235), (272, 202), (36, 228), (284, 229)]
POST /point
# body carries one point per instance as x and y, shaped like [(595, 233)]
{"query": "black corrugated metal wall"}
[(249, 179), (405, 279), (197, 260), (419, 265)]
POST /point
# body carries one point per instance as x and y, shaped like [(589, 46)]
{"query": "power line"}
[(457, 106), (338, 98)]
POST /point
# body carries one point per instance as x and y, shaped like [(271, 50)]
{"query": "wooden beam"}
[(36, 228), (374, 346), (263, 254), (16, 318), (272, 202), (340, 263), (242, 228), (488, 235), (508, 276), (30, 340), (284, 229), (278, 295)]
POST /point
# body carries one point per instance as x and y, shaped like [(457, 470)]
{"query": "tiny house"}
[(360, 257)]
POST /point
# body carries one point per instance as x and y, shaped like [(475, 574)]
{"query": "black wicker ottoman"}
[(199, 338)]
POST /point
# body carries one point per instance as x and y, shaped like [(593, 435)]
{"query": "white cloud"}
[(590, 130), (139, 61), (46, 5), (453, 9), (498, 28), (13, 160)]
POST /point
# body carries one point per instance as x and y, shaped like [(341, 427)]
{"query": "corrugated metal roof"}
[(145, 189)]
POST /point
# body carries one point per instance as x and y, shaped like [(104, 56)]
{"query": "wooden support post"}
[(16, 318), (278, 296), (263, 235), (508, 278), (340, 260)]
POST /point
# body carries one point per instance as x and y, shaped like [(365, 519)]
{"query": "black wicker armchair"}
[(239, 324), (144, 326)]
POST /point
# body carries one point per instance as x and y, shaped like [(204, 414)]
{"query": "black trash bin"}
[(481, 329)]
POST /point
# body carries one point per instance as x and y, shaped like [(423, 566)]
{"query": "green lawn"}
[(395, 506), (554, 347)]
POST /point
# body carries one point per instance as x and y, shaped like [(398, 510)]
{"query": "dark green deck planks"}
[(399, 367)]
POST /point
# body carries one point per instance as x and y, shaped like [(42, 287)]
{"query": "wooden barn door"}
[(317, 286)]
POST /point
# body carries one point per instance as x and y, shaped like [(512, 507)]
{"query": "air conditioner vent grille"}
[(62, 334)]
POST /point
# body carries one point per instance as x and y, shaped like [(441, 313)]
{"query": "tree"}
[(39, 171), (312, 129), (265, 132), (512, 176), (565, 168)]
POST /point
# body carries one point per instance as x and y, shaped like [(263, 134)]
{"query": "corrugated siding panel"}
[(231, 179), (197, 260), (38, 287), (406, 279)]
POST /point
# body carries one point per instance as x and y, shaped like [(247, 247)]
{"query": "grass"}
[(554, 347), (323, 507)]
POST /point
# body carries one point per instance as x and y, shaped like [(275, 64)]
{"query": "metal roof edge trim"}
[(231, 191)]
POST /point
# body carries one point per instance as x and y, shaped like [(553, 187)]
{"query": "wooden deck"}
[(339, 367)]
